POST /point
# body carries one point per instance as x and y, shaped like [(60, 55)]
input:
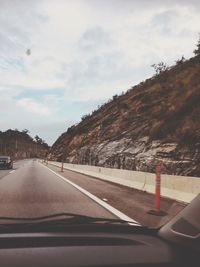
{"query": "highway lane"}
[(16, 165), (32, 190)]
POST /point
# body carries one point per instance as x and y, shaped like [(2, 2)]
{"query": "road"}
[(129, 201), (31, 190)]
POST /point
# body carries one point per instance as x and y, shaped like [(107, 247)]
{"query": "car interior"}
[(98, 243)]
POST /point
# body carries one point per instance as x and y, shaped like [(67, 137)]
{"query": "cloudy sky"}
[(82, 53)]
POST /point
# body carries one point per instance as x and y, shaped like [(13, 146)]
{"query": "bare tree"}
[(160, 67)]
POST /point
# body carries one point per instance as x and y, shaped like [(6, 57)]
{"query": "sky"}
[(82, 52)]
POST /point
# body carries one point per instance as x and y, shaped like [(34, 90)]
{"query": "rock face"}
[(157, 121)]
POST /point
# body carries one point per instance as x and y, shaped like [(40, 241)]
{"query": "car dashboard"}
[(92, 246)]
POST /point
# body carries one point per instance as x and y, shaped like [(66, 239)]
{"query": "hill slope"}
[(156, 121), (21, 145)]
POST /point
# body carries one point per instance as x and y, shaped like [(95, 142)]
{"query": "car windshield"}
[(99, 111)]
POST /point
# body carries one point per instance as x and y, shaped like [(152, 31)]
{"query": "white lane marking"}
[(12, 171), (113, 210)]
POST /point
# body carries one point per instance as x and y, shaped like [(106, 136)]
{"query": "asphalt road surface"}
[(129, 201), (32, 190)]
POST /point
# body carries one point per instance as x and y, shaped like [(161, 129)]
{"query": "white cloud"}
[(33, 106)]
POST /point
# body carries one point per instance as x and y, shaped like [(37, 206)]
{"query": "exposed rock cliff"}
[(156, 121)]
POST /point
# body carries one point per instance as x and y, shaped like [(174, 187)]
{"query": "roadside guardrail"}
[(181, 188)]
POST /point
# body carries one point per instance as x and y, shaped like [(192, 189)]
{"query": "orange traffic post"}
[(156, 211)]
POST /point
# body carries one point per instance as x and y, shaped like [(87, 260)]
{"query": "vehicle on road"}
[(6, 162), (68, 239)]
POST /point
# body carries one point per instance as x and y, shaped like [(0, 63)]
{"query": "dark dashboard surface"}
[(100, 247)]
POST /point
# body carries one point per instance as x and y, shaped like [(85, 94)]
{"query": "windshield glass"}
[(99, 110)]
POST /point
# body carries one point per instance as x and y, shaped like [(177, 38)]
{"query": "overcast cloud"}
[(82, 53)]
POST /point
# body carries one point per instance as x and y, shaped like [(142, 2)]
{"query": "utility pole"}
[(5, 149), (1, 149)]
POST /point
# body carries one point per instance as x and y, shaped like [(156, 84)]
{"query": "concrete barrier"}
[(181, 188)]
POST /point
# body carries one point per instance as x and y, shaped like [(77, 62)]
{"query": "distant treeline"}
[(19, 144)]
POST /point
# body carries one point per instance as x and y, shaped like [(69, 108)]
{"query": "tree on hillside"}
[(38, 139), (197, 50), (41, 141), (25, 131), (84, 117), (180, 61), (160, 67), (114, 97)]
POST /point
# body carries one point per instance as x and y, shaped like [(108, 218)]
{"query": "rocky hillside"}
[(20, 145), (155, 121)]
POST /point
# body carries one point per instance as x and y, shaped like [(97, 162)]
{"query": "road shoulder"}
[(131, 202)]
